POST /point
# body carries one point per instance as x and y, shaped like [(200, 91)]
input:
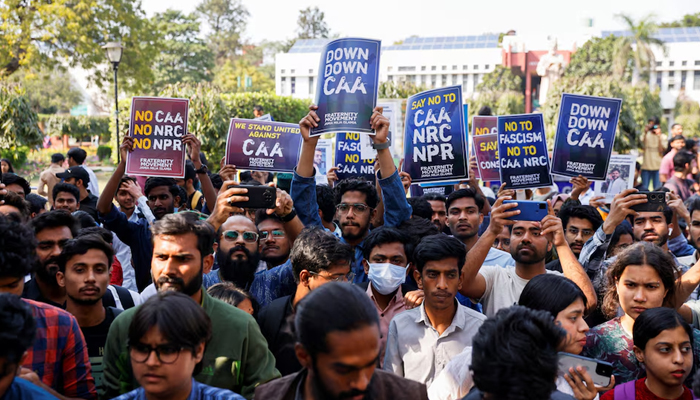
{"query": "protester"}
[(37, 204), (653, 143), (356, 200), (502, 241), (17, 330), (420, 208), (178, 331), (515, 356), (678, 182), (258, 111), (642, 277), (499, 286), (677, 144), (325, 198), (58, 360), (182, 250), (422, 341), (664, 344), (438, 205), (338, 347), (78, 177), (317, 257), (6, 166), (274, 242), (48, 177), (622, 238), (195, 199), (15, 183), (76, 158), (66, 197), (15, 205), (84, 273), (580, 223), (235, 296), (131, 200)]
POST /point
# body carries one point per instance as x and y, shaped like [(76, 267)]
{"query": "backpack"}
[(626, 391), (195, 200)]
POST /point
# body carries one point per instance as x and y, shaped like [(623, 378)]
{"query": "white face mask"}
[(386, 277)]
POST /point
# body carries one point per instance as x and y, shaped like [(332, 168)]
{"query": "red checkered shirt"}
[(59, 355)]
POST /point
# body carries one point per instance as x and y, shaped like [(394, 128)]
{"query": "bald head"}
[(238, 231)]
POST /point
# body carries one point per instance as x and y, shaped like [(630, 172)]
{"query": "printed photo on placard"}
[(620, 176), (323, 160)]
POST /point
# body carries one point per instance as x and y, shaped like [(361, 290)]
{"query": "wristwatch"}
[(380, 146), (289, 216), (202, 170)]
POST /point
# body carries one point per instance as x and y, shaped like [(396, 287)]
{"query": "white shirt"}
[(93, 185), (123, 253), (142, 205), (503, 287), (416, 351)]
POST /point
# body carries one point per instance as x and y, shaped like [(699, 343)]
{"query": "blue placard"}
[(348, 160), (585, 135), (348, 79), (435, 141), (262, 145), (522, 151), (442, 190)]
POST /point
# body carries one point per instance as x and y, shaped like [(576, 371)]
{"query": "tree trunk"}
[(9, 68)]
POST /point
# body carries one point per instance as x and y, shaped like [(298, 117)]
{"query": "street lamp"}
[(114, 55)]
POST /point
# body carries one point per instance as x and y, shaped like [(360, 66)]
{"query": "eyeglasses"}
[(166, 353), (338, 278), (276, 234), (584, 232), (359, 208), (250, 237)]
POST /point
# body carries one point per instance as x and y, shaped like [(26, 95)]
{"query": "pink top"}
[(396, 305), (667, 164)]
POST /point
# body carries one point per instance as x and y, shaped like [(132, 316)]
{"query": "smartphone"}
[(258, 196), (529, 210), (600, 371), (656, 202)]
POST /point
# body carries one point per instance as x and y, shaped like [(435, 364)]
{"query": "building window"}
[(486, 67), (444, 67), (477, 78), (671, 86), (444, 80), (684, 63), (291, 71), (671, 63), (476, 67), (311, 85), (389, 68), (433, 68), (407, 68), (658, 63), (454, 67), (465, 81), (658, 80), (433, 80), (391, 78), (683, 77), (283, 84), (282, 71), (697, 62), (696, 81), (465, 67), (422, 68), (454, 79), (293, 81)]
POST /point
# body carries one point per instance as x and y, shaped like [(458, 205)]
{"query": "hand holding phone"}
[(529, 210), (656, 202), (599, 371), (258, 197)]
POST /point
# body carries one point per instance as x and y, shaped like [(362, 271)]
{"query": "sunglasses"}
[(232, 236), (276, 234)]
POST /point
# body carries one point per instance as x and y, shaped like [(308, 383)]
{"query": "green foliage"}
[(311, 24), (639, 46), (501, 79), (19, 124), (71, 32), (687, 113), (226, 21), (17, 156), (231, 77), (638, 104), (688, 20), (82, 127), (103, 152), (183, 56), (49, 91), (595, 58), (400, 90)]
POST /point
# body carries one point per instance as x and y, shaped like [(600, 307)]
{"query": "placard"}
[(367, 152), (323, 160), (619, 176), (348, 79), (157, 125), (442, 190), (435, 141), (484, 125), (585, 135), (263, 145), (347, 158), (486, 147), (522, 152)]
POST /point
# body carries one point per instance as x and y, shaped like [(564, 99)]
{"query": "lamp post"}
[(114, 55)]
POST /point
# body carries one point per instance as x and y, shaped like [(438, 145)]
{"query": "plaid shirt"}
[(59, 355), (199, 391)]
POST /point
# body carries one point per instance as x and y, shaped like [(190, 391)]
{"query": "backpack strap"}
[(195, 199), (625, 391)]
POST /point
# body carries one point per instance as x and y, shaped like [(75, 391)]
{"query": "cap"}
[(77, 173)]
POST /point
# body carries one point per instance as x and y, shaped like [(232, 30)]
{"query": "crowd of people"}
[(349, 290)]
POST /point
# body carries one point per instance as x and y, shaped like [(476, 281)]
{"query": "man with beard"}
[(338, 348), (580, 222), (84, 273), (274, 243), (237, 357), (356, 199), (317, 258), (439, 206), (52, 231), (421, 341), (499, 286), (237, 253), (464, 217)]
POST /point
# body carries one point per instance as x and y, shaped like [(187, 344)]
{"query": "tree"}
[(183, 56), (398, 90), (639, 44), (226, 20), (687, 113), (311, 24), (19, 124), (71, 32), (595, 58), (688, 20), (501, 79), (502, 91), (241, 76), (48, 91)]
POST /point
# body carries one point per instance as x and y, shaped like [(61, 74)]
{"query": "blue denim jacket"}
[(396, 209)]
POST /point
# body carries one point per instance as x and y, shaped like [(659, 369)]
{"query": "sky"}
[(392, 20)]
